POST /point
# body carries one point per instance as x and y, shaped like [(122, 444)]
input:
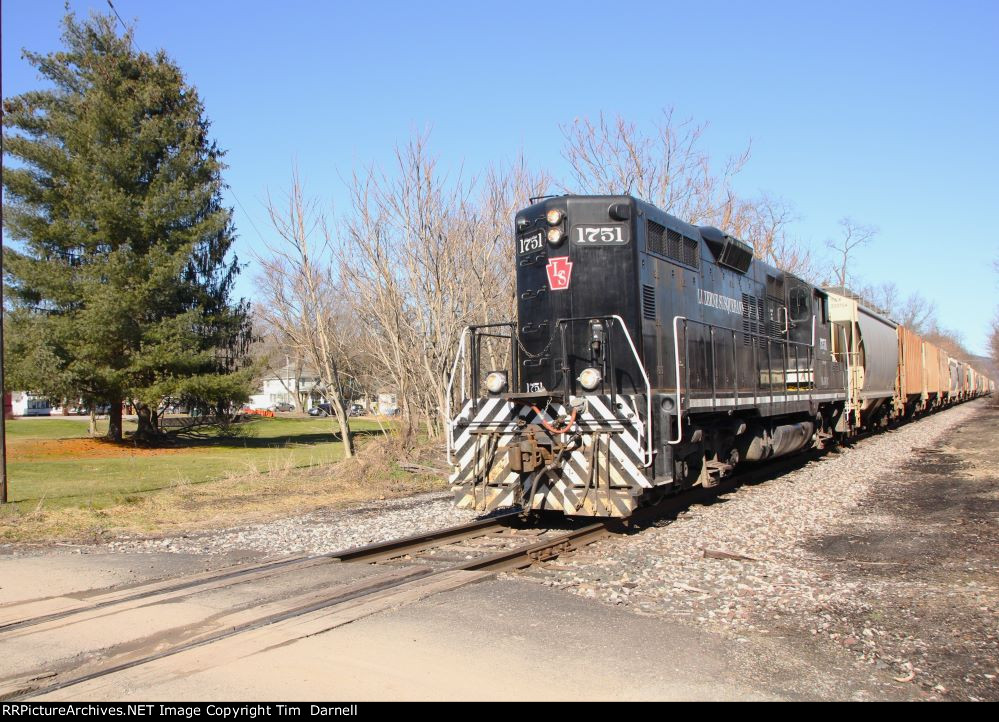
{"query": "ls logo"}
[(559, 270)]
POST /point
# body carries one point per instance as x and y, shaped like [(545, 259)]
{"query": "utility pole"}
[(3, 395)]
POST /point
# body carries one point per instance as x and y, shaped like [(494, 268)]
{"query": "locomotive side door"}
[(776, 351), (800, 329)]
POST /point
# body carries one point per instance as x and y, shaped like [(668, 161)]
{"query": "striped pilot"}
[(647, 356)]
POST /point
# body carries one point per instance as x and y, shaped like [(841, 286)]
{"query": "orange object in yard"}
[(260, 412)]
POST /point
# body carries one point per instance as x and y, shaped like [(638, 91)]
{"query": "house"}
[(25, 403), (388, 404), (289, 385)]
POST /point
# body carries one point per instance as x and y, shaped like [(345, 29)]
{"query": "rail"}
[(380, 551)]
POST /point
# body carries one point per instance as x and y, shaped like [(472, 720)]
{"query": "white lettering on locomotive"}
[(722, 303), (530, 243)]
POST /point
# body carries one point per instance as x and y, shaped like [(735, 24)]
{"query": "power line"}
[(115, 11), (245, 212)]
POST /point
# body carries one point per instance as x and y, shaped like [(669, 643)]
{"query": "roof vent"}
[(728, 251)]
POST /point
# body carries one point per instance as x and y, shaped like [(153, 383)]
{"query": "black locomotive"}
[(648, 355)]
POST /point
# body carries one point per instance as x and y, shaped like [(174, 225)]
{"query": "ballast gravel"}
[(747, 565), (319, 532)]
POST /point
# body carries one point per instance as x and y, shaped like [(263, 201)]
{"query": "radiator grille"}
[(682, 249), (752, 316), (656, 238), (674, 242), (672, 245), (690, 254), (649, 302)]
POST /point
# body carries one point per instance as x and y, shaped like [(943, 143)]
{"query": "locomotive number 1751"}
[(533, 242), (599, 235)]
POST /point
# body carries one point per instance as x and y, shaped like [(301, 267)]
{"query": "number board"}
[(602, 235), (530, 243)]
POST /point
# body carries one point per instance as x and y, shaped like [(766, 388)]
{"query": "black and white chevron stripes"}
[(603, 477)]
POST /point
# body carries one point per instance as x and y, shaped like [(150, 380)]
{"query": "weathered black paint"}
[(746, 340)]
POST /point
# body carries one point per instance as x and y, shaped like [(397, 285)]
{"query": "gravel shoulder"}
[(885, 552), (319, 532)]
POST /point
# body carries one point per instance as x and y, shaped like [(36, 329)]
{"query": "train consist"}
[(650, 355)]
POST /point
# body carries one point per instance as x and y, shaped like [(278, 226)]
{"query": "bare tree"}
[(854, 235), (951, 341), (915, 311), (994, 337), (278, 358), (300, 299), (994, 340), (426, 254), (764, 222), (665, 167)]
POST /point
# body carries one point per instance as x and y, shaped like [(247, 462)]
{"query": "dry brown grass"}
[(258, 494)]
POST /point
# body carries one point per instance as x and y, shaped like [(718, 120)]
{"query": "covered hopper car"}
[(649, 355)]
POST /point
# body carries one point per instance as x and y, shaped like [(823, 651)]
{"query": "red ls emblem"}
[(559, 270)]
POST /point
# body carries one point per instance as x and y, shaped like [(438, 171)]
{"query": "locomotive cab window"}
[(799, 305)]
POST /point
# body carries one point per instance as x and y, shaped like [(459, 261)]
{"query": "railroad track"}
[(389, 574), (394, 573)]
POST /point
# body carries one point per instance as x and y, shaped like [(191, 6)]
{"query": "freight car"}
[(649, 355)]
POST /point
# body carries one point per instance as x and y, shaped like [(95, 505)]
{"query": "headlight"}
[(554, 217), (495, 382), (590, 378), (554, 236)]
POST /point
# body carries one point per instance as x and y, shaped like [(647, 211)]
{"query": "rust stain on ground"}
[(71, 449)]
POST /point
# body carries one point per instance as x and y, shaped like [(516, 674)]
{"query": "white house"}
[(287, 385), (24, 403)]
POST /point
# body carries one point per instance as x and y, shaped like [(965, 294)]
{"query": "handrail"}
[(454, 369), (648, 392), (450, 388), (676, 357), (647, 455), (776, 339)]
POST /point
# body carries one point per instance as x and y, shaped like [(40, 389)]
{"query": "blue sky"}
[(887, 112)]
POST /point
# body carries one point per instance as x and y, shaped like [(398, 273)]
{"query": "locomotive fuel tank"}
[(758, 444)]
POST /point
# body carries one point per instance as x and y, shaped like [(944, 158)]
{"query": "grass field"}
[(64, 484)]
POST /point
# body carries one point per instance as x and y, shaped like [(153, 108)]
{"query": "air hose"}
[(552, 429)]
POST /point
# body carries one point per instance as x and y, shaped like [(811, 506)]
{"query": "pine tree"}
[(121, 275)]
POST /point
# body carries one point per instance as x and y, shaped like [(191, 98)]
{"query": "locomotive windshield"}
[(800, 309)]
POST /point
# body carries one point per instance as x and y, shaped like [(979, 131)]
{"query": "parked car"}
[(321, 410), (282, 406), (327, 410)]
